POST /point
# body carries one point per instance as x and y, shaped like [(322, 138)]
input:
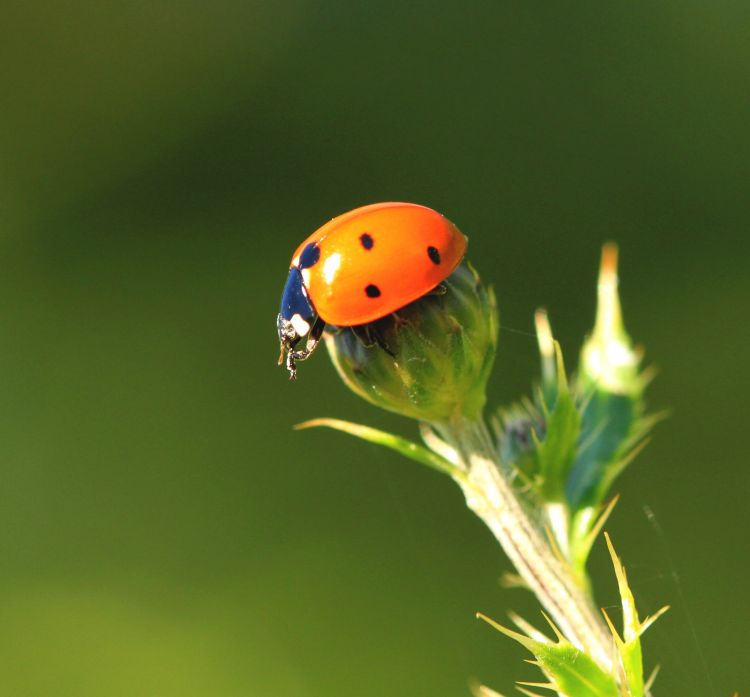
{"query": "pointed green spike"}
[(484, 691), (547, 353), (557, 449), (629, 646), (522, 639), (528, 693), (572, 671), (543, 685)]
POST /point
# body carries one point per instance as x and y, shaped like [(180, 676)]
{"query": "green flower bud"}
[(610, 389), (431, 359), (609, 362)]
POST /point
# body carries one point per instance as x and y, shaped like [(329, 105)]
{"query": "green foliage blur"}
[(163, 531)]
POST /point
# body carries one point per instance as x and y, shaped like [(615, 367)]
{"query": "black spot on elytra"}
[(434, 254), (310, 256), (372, 291), (366, 240)]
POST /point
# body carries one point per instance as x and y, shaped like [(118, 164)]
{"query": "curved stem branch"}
[(491, 495)]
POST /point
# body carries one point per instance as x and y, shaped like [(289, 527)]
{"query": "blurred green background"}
[(163, 531)]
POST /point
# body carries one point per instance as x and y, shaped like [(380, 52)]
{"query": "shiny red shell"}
[(375, 259)]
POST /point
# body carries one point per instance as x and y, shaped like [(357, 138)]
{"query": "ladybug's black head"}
[(297, 318), (296, 314)]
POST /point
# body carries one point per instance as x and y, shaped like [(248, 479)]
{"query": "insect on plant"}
[(413, 329), (363, 266)]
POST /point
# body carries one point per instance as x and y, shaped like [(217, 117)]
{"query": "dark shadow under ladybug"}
[(298, 319)]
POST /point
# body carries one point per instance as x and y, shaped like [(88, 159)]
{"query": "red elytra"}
[(376, 259)]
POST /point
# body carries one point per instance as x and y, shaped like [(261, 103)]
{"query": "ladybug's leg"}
[(398, 320), (363, 332), (370, 335), (312, 341), (376, 330)]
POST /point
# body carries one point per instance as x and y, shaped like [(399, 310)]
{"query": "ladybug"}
[(362, 266)]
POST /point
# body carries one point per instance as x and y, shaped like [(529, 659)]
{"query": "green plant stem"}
[(491, 495)]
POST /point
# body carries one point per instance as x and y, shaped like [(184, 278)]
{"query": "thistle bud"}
[(610, 388), (429, 360), (609, 362)]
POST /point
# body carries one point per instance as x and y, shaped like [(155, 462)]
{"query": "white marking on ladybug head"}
[(295, 261), (300, 325), (331, 267), (305, 276)]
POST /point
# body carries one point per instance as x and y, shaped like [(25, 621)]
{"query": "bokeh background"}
[(163, 531)]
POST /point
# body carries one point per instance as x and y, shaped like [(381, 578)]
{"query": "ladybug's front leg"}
[(312, 341)]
